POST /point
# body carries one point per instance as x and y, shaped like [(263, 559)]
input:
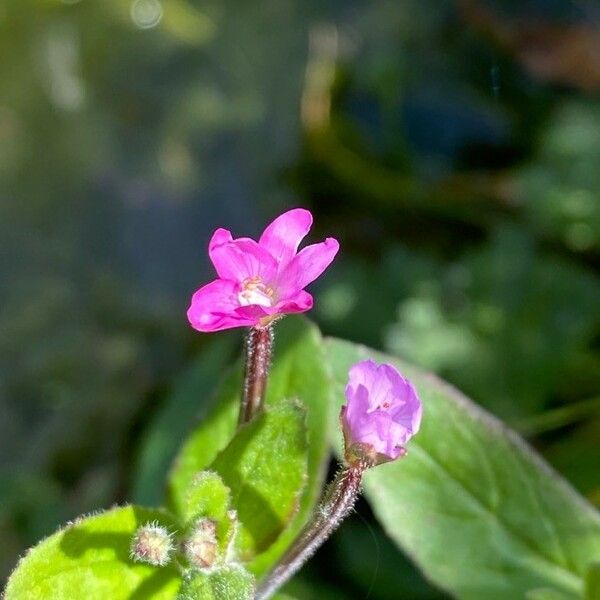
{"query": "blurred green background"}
[(452, 146)]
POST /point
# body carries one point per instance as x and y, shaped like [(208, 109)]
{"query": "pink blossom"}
[(259, 281), (382, 414)]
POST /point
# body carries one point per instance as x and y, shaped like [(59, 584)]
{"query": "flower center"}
[(254, 291)]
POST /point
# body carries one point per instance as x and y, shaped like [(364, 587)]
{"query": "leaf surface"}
[(90, 559), (264, 466), (191, 398), (228, 583), (476, 508), (299, 371)]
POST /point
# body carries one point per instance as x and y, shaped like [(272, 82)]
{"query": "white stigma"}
[(254, 291)]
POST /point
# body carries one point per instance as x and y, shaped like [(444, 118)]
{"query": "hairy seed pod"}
[(200, 547), (152, 544)]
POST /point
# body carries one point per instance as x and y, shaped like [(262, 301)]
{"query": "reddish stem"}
[(259, 344), (336, 504)]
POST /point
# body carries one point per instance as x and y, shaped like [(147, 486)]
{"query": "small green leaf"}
[(479, 512), (202, 447), (299, 370), (265, 468), (592, 582), (90, 559), (207, 496), (188, 401), (228, 583)]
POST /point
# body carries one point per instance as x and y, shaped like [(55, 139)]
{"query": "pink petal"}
[(253, 312), (383, 434), (283, 236), (358, 402), (306, 266), (243, 259), (362, 372), (215, 307), (365, 431), (408, 409), (219, 237), (385, 387), (298, 303)]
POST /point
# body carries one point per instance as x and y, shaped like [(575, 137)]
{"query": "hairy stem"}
[(337, 502), (259, 344)]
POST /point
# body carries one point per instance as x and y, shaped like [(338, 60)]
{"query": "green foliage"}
[(229, 583), (189, 400), (476, 119), (592, 582), (298, 372), (207, 440), (301, 373), (476, 508), (549, 594), (265, 468), (207, 496), (91, 557), (369, 560)]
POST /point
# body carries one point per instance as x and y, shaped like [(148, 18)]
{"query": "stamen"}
[(254, 291)]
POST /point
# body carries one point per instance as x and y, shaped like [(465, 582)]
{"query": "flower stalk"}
[(336, 504), (259, 347), (382, 413)]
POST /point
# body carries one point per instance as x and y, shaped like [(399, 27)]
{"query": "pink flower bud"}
[(152, 544), (383, 412), (260, 281)]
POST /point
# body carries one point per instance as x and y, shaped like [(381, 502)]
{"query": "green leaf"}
[(298, 371), (301, 371), (207, 496), (592, 582), (265, 468), (90, 559), (475, 507), (187, 401), (228, 583), (202, 447), (366, 559)]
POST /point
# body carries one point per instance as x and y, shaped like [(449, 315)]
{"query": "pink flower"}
[(382, 414), (259, 281)]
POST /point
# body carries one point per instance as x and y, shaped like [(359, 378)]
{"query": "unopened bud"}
[(382, 414), (152, 544), (201, 547)]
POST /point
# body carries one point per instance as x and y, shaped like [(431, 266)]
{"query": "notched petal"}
[(283, 236)]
